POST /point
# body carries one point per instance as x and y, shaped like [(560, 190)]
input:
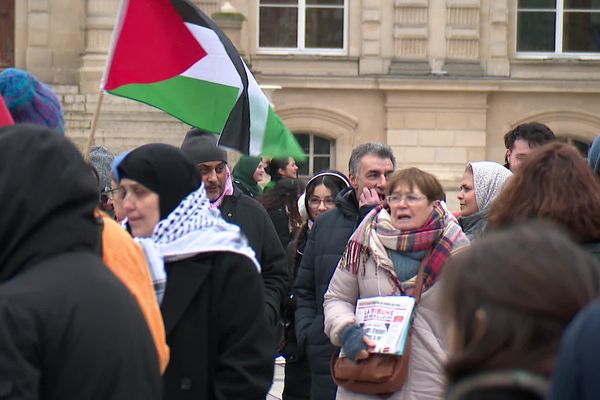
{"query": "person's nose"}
[(128, 203), (382, 182), (460, 194), (322, 206), (211, 176)]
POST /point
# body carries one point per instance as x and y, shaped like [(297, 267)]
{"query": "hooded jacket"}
[(69, 329), (326, 243), (243, 175)]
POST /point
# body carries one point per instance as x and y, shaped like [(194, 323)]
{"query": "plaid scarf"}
[(440, 235)]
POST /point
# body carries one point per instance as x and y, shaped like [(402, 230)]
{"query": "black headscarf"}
[(165, 170), (48, 198)]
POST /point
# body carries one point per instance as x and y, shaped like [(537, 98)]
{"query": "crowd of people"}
[(166, 273)]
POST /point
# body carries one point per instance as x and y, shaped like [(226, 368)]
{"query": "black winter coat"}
[(217, 330), (326, 242), (69, 329), (254, 222)]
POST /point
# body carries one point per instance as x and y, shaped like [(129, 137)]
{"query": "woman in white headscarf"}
[(481, 183)]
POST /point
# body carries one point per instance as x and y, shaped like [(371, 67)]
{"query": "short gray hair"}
[(378, 149)]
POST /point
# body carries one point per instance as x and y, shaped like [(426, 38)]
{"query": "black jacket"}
[(254, 222), (69, 329), (326, 242), (217, 330)]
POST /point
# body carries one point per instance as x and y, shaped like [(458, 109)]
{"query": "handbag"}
[(379, 373)]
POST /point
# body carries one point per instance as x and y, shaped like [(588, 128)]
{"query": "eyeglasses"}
[(409, 199), (119, 193), (316, 202)]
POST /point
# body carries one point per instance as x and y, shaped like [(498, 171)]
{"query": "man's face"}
[(372, 174), (214, 176), (518, 154)]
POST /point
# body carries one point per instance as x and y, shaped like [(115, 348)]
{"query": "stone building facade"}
[(441, 81)]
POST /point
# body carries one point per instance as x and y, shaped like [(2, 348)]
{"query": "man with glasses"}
[(370, 165), (243, 211)]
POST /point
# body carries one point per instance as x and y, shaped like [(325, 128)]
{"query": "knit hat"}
[(101, 158), (30, 100), (201, 146)]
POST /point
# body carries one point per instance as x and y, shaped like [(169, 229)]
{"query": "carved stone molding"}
[(410, 29), (462, 30)]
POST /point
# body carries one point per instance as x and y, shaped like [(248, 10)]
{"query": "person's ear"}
[(353, 181)]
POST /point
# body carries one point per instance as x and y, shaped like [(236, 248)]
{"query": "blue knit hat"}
[(30, 100)]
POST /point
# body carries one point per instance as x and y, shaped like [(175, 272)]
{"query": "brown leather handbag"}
[(379, 373)]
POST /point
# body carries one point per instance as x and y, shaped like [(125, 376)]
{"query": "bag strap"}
[(420, 278)]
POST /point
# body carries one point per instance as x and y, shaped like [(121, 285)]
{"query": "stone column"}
[(230, 21), (497, 63), (99, 22), (38, 56), (371, 57)]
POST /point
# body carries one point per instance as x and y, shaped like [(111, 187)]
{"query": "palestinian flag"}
[(168, 54)]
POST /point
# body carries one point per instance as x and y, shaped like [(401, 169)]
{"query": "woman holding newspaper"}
[(382, 258)]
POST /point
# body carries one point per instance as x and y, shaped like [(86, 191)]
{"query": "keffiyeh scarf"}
[(193, 227), (438, 237)]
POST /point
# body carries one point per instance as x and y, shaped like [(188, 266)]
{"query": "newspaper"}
[(386, 320)]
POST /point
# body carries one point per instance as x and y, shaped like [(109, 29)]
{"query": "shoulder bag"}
[(379, 373)]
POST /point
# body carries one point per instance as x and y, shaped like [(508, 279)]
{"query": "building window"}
[(302, 26), (581, 145), (560, 27), (320, 154)]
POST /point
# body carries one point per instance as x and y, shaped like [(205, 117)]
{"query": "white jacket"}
[(426, 379)]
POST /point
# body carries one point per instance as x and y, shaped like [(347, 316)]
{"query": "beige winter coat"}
[(425, 379)]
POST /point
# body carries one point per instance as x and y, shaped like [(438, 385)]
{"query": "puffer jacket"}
[(425, 379), (326, 242)]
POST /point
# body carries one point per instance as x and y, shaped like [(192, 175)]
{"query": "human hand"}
[(363, 354), (355, 343), (369, 197)]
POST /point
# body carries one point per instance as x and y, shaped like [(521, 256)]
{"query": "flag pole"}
[(92, 135)]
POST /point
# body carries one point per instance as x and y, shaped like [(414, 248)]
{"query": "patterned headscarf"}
[(488, 179)]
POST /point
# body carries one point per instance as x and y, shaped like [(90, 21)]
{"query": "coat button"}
[(229, 214), (185, 384)]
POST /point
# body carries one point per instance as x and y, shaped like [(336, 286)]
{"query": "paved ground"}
[(277, 388)]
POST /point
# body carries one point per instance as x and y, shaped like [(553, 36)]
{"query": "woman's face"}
[(141, 207), (466, 196), (259, 173), (320, 201), (115, 201), (409, 209), (291, 169)]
